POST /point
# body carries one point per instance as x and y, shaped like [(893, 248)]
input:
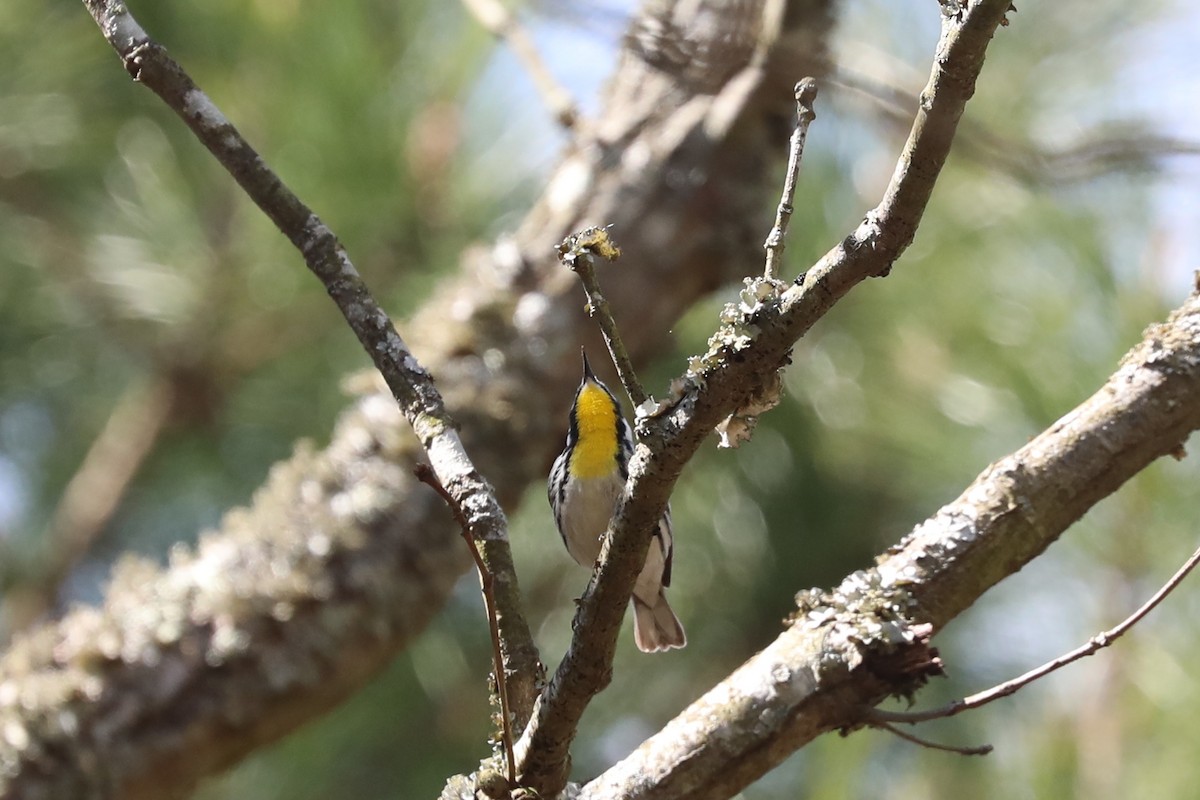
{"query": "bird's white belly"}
[(588, 507)]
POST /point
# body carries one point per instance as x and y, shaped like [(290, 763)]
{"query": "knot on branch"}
[(868, 625), (142, 54)]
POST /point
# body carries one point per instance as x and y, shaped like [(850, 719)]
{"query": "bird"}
[(585, 483)]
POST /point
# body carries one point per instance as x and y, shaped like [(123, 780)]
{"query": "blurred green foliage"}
[(127, 255), (130, 255)]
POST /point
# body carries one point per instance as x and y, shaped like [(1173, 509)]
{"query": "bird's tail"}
[(655, 627)]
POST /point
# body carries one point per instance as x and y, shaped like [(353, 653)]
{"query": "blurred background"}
[(1065, 223)]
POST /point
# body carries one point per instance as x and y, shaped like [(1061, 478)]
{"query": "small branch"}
[(502, 24), (981, 750), (752, 341), (543, 752), (806, 95), (410, 383), (1095, 644), (426, 475), (739, 425), (1116, 147), (799, 686), (576, 253)]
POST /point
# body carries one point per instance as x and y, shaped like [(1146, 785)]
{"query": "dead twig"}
[(426, 475), (576, 253), (806, 95), (981, 750), (410, 383), (1093, 645), (502, 24)]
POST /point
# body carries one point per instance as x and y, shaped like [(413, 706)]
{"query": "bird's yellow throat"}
[(595, 453)]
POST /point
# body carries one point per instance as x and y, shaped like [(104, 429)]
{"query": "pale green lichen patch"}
[(740, 327), (651, 408), (429, 427), (739, 426), (867, 622)]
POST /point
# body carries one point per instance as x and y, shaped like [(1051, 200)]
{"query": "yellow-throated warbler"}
[(585, 483)]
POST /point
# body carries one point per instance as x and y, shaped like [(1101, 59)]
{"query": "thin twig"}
[(426, 475), (806, 95), (981, 750), (502, 24), (576, 253), (1096, 643), (1115, 147)]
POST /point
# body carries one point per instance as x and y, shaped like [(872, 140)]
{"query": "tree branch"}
[(868, 639), (502, 24), (1127, 145), (760, 336), (486, 584), (341, 558), (981, 750), (410, 383)]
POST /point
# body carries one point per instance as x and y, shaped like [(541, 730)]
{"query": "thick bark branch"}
[(342, 557), (868, 639)]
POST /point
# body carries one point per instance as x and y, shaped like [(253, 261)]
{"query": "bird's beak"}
[(587, 368)]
